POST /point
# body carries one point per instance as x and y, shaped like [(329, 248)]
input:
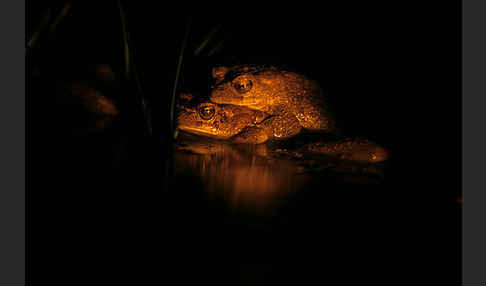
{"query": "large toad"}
[(290, 97)]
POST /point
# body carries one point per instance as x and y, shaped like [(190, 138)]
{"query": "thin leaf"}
[(64, 11), (126, 48), (216, 48), (178, 71), (206, 41), (44, 22), (130, 70)]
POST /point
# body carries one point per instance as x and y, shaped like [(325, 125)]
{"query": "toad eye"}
[(243, 85), (207, 112)]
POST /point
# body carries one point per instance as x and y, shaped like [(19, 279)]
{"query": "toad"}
[(241, 124), (224, 121), (289, 97)]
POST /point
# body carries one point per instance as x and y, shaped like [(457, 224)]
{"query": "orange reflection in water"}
[(260, 178), (243, 175)]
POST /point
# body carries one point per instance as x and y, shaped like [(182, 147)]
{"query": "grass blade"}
[(126, 50), (45, 22), (130, 70), (64, 11), (216, 48), (206, 41), (178, 71), (35, 35)]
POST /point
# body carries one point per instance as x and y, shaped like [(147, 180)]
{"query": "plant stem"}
[(35, 35), (125, 41), (178, 71), (206, 41)]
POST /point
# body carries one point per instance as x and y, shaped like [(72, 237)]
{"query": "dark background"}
[(392, 72)]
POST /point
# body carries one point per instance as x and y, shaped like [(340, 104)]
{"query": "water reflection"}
[(257, 178), (244, 176)]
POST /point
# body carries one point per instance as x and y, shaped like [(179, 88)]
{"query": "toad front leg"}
[(251, 135), (282, 125), (274, 127)]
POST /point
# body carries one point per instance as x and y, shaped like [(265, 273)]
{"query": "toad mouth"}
[(200, 131)]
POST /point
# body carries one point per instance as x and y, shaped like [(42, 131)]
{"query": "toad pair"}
[(253, 104)]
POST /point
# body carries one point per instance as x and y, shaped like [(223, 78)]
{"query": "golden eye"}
[(207, 112), (243, 85)]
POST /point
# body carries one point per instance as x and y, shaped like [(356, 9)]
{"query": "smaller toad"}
[(240, 124)]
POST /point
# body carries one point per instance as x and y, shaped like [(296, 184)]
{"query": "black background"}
[(393, 73)]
